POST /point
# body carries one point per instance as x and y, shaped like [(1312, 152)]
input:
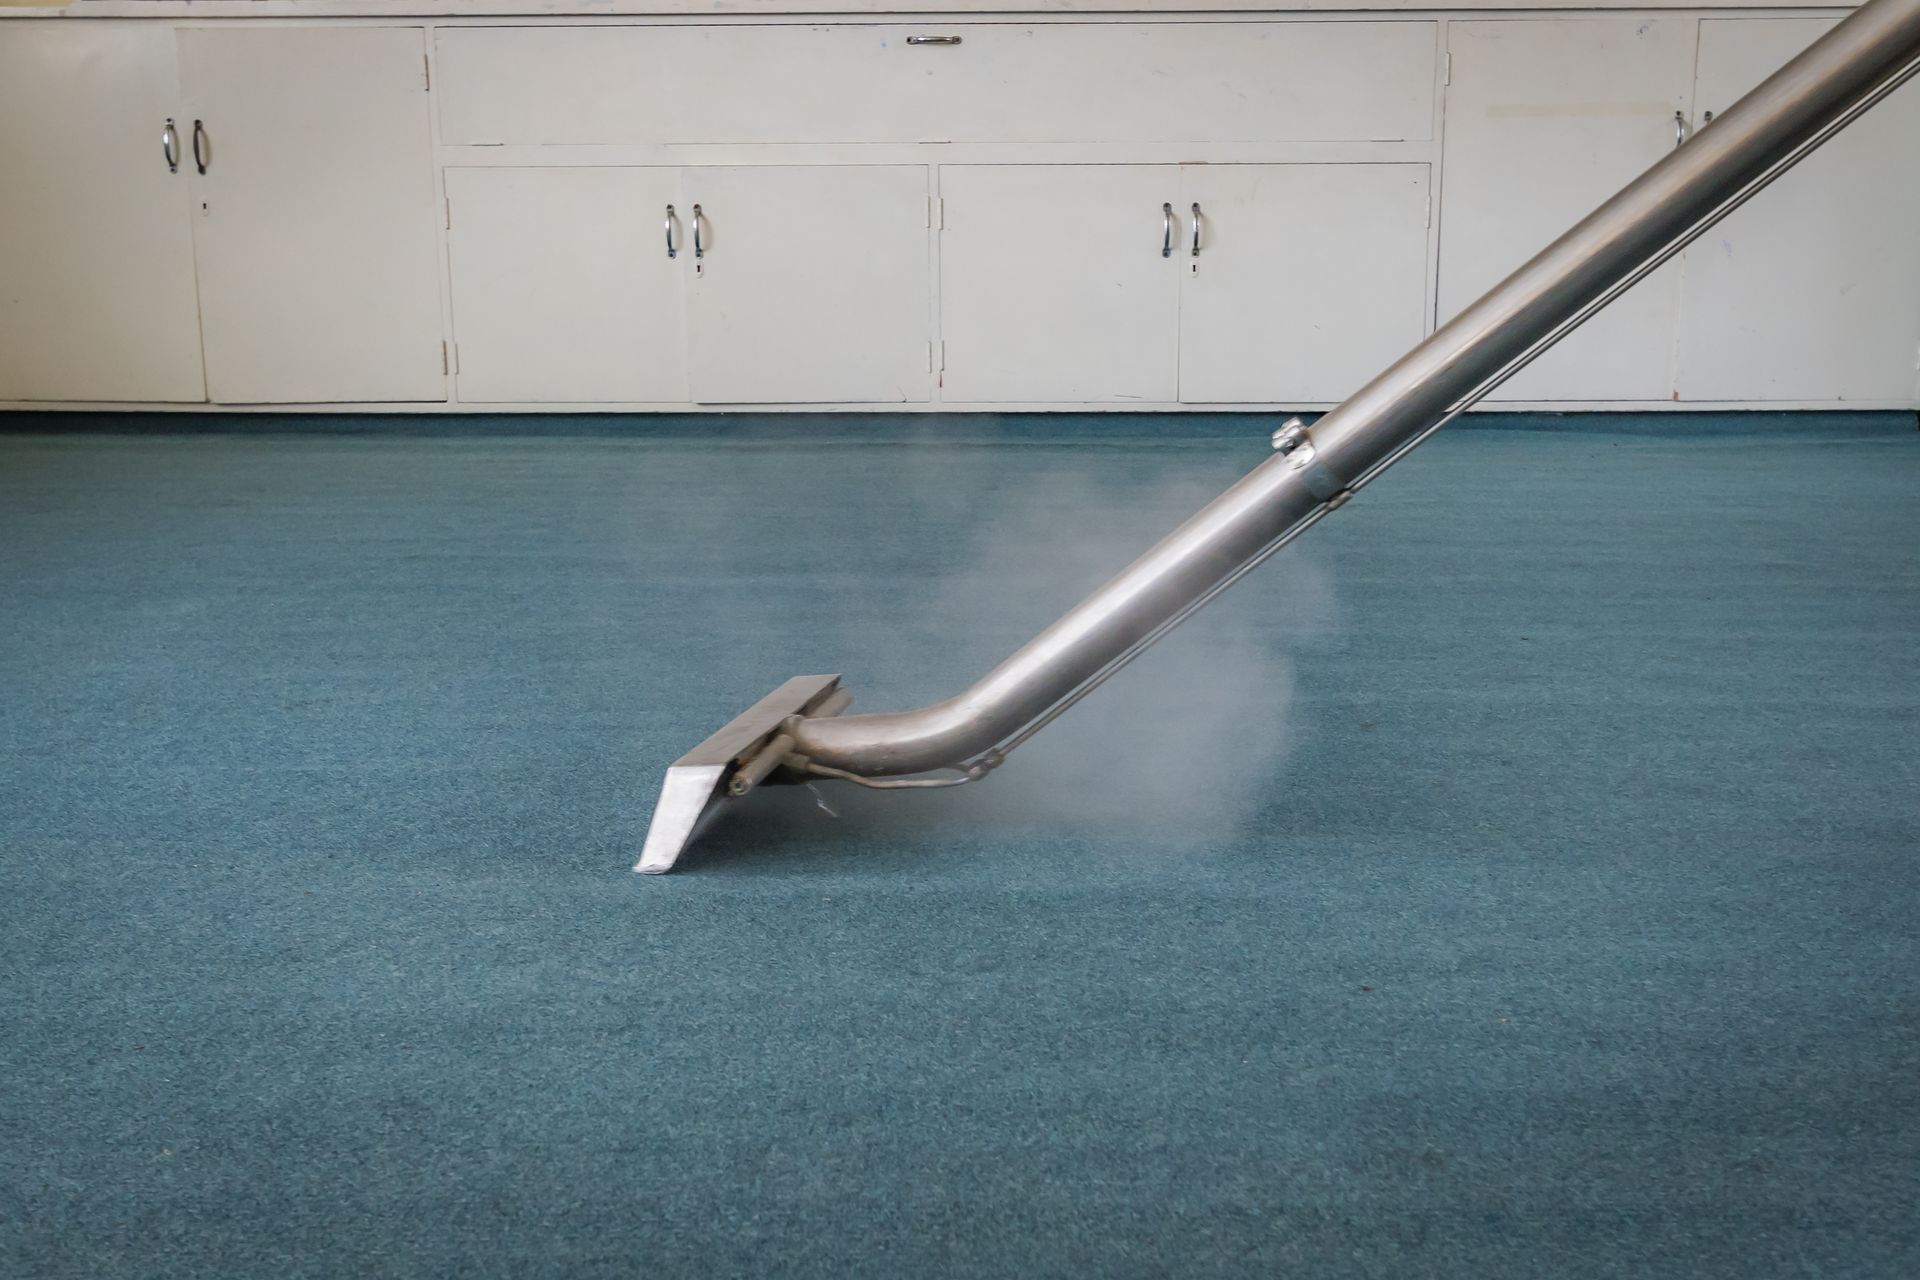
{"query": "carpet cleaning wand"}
[(798, 733)]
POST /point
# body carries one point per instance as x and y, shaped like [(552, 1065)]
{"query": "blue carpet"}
[(1522, 878)]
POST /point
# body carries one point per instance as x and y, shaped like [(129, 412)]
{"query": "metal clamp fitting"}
[(1293, 442)]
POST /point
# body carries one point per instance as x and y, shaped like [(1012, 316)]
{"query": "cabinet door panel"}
[(315, 229), (1004, 82), (562, 287), (1053, 286), (1812, 291), (1545, 119), (813, 286), (1310, 279), (96, 246)]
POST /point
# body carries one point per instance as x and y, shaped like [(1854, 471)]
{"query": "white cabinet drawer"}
[(1078, 82)]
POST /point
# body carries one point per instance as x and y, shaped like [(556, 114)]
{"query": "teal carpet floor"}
[(1519, 878)]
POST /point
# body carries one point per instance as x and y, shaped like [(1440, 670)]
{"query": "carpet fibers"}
[(1518, 877)]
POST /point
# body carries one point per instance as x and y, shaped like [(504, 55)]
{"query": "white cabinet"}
[(96, 246), (1309, 278), (563, 290), (810, 284), (1545, 118), (981, 210), (289, 256), (776, 284), (1081, 283), (1058, 283), (1812, 290), (314, 220)]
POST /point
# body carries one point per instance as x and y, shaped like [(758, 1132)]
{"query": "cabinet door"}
[(315, 223), (865, 82), (810, 284), (1812, 291), (1308, 279), (1054, 285), (563, 290), (1545, 119), (96, 247)]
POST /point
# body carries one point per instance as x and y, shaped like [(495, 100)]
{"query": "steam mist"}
[(1186, 739)]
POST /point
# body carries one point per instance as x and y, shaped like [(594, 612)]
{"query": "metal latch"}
[(1293, 442)]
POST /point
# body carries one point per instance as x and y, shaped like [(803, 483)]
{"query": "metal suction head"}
[(731, 763)]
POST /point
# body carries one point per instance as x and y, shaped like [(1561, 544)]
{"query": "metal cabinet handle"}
[(170, 146), (202, 151), (1196, 228), (1679, 128), (1706, 120), (1166, 231), (671, 251), (933, 39), (699, 248)]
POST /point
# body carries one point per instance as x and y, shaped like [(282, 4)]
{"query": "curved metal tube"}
[(1686, 191)]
